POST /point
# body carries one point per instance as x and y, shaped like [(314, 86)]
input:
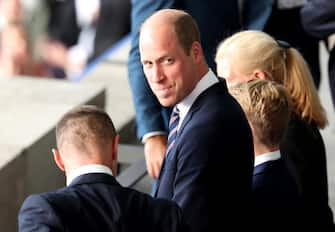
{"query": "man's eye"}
[(168, 60), (147, 64)]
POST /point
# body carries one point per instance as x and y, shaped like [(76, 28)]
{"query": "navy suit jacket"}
[(96, 202), (255, 13), (208, 172), (277, 203), (217, 19), (318, 18)]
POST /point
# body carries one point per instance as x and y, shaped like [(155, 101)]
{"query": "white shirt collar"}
[(91, 168), (205, 82), (274, 155)]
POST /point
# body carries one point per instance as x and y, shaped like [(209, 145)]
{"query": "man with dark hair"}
[(93, 200), (202, 150), (216, 19)]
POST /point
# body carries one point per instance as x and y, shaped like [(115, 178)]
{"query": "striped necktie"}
[(173, 126)]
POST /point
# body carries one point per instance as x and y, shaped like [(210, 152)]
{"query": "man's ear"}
[(58, 159), (196, 51), (259, 74), (115, 147), (115, 154)]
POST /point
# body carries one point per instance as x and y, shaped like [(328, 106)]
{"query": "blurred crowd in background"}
[(53, 38)]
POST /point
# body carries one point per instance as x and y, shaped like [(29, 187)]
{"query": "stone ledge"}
[(32, 107)]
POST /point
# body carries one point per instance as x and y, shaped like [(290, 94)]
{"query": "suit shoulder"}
[(39, 199), (37, 214)]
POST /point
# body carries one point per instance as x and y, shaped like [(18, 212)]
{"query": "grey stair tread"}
[(132, 157)]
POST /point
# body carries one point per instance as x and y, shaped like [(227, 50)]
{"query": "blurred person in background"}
[(10, 12), (79, 31), (18, 36), (318, 18), (15, 53)]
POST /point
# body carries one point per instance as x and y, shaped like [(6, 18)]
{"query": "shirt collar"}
[(91, 168), (205, 82), (265, 157)]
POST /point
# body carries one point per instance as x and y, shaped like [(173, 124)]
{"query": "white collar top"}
[(91, 168), (265, 157), (205, 82)]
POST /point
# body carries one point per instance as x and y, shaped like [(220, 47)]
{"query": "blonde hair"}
[(267, 106), (285, 65)]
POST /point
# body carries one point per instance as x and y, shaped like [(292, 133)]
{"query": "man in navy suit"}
[(212, 143), (93, 200), (276, 198), (216, 19)]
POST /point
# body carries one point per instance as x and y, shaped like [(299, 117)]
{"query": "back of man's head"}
[(267, 106), (87, 129)]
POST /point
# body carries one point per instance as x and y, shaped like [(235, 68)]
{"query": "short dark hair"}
[(85, 126), (183, 24), (187, 30)]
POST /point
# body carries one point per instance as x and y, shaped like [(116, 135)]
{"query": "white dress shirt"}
[(207, 81), (91, 168), (184, 106), (265, 157)]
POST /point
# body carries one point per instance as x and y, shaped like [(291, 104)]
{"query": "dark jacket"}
[(276, 198), (304, 152), (208, 172), (318, 18), (96, 202)]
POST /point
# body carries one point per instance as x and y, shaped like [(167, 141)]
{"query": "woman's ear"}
[(259, 74)]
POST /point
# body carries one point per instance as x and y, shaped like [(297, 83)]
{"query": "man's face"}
[(169, 70)]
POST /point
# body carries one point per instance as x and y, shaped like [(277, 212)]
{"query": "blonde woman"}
[(250, 55)]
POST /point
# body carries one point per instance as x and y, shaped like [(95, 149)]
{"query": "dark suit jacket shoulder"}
[(96, 202), (274, 187), (276, 198)]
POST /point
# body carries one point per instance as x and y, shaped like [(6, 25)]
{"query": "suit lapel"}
[(194, 108), (156, 187)]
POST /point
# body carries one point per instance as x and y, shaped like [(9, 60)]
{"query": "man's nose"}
[(157, 73)]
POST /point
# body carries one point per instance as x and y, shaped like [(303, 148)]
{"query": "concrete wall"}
[(30, 109)]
